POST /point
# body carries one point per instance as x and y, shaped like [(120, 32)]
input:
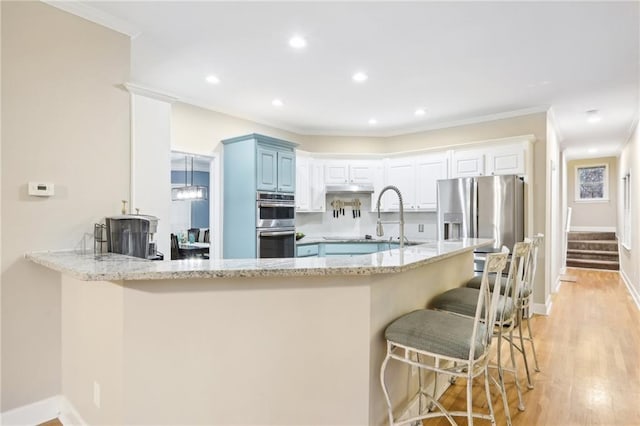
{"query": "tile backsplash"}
[(325, 225)]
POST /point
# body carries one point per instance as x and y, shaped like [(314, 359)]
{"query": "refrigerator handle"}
[(474, 208)]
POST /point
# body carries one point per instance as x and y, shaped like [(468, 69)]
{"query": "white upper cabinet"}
[(310, 192), (429, 169), (349, 171), (401, 173), (468, 163), (507, 160), (491, 160), (317, 201), (303, 185)]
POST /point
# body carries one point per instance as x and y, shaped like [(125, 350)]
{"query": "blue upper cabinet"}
[(286, 171), (267, 168)]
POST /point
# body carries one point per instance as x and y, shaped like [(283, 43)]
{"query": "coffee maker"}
[(133, 235)]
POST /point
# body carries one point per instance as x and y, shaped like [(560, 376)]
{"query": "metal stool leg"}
[(524, 353), (515, 371), (488, 392), (533, 346)]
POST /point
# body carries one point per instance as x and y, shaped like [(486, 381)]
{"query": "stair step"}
[(588, 236), (593, 264), (593, 254), (598, 245)]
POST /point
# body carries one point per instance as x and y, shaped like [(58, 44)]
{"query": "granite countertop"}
[(116, 267), (374, 240)]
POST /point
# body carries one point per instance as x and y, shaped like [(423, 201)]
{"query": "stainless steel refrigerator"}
[(482, 207)]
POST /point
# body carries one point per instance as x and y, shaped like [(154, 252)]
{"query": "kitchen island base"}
[(300, 350)]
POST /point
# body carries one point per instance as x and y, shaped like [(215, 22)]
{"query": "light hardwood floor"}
[(589, 353)]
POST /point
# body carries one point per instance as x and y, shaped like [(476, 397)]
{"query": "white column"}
[(151, 160)]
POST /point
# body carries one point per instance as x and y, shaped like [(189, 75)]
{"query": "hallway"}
[(589, 352)]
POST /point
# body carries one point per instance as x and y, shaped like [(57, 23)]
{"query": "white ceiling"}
[(461, 61)]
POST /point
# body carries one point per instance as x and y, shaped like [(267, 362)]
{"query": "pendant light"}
[(189, 192)]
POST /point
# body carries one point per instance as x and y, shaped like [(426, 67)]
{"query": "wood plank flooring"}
[(589, 353)]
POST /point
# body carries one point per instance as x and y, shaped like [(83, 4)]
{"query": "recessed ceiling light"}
[(360, 77), (593, 116), (373, 121), (592, 150), (297, 42), (213, 79), (420, 112), (277, 102)]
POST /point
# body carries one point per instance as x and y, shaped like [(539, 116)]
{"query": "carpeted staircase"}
[(594, 250)]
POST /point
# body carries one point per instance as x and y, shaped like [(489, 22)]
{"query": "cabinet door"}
[(361, 172), (336, 172), (286, 171), (400, 173), (468, 163), (508, 160), (317, 187), (267, 168), (429, 168), (303, 187)]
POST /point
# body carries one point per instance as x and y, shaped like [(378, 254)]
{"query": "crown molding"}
[(150, 93), (90, 13)]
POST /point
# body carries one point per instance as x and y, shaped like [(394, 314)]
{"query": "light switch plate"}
[(41, 189)]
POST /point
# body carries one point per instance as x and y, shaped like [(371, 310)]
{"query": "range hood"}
[(349, 189)]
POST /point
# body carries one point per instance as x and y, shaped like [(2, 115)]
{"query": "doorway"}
[(191, 202)]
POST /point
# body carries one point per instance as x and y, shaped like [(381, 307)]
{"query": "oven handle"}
[(261, 204), (276, 233)]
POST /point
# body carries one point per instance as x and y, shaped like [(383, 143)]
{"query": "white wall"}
[(553, 227), (64, 120), (630, 258)]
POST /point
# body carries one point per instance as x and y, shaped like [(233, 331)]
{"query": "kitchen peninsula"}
[(240, 341)]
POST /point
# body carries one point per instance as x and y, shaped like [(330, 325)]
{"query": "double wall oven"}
[(275, 225)]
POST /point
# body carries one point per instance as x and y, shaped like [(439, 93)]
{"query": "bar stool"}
[(464, 299), (523, 304), (460, 342)]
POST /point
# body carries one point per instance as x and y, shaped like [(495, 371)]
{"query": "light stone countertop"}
[(116, 267)]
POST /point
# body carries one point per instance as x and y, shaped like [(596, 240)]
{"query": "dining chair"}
[(193, 234)]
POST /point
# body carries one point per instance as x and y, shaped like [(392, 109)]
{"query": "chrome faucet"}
[(379, 229)]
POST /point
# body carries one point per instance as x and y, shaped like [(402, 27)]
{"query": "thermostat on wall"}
[(41, 189)]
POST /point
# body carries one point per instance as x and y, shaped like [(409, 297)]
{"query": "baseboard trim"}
[(632, 291), (543, 308), (556, 285), (32, 414), (593, 229), (69, 416)]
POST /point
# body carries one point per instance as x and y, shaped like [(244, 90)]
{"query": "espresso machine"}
[(133, 235)]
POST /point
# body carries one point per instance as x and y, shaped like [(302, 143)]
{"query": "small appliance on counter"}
[(133, 235)]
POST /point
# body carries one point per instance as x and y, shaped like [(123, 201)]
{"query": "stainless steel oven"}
[(275, 225), (275, 242), (275, 210)]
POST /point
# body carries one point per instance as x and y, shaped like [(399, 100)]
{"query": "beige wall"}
[(198, 130), (598, 214), (630, 258), (65, 121)]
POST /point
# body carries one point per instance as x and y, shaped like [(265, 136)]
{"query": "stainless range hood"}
[(349, 189)]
